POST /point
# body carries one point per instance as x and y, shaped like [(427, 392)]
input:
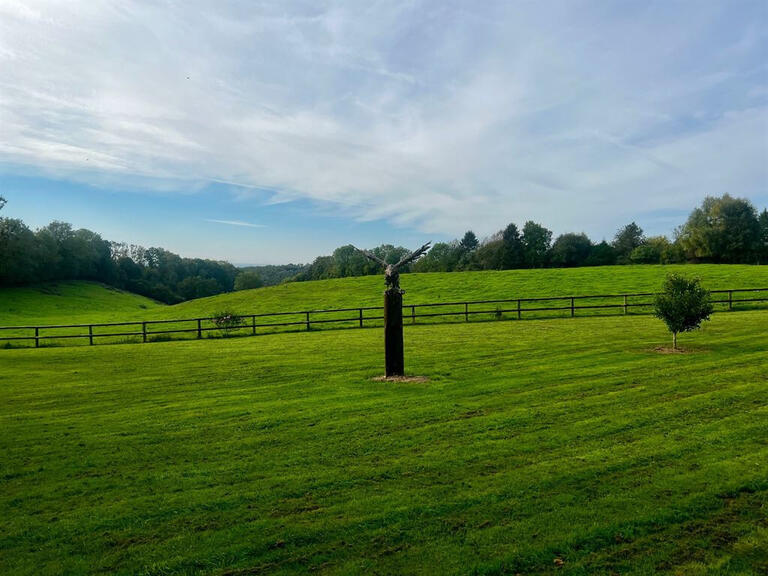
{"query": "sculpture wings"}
[(415, 255), (391, 271)]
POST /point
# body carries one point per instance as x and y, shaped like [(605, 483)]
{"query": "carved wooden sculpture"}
[(393, 311)]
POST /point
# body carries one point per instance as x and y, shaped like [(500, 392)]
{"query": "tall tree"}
[(2, 202), (469, 242), (570, 250), (512, 255), (247, 280), (763, 237), (627, 239), (536, 243), (723, 229), (18, 252), (602, 254)]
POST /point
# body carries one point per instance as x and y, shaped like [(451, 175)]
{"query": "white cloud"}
[(235, 223), (423, 113)]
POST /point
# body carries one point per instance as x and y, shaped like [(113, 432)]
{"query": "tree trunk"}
[(674, 340), (393, 333)]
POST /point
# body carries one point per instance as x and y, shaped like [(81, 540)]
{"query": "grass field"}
[(95, 303), (71, 303), (53, 304), (551, 446)]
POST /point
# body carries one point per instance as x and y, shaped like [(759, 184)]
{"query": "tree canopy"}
[(682, 304)]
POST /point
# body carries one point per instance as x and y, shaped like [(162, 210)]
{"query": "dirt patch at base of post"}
[(404, 379), (668, 350)]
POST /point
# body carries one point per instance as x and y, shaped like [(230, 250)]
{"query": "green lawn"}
[(63, 304), (71, 303), (447, 287), (533, 444)]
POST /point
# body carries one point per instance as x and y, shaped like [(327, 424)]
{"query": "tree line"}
[(722, 230), (59, 252)]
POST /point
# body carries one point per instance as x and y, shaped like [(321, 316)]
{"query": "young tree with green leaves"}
[(683, 304)]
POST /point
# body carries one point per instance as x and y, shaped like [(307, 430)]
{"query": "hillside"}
[(83, 302), (557, 447), (71, 303), (453, 286)]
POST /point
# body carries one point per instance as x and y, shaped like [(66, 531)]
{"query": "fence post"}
[(90, 334), (199, 329), (144, 331), (413, 314), (466, 311), (730, 299), (361, 317), (625, 303), (518, 309), (307, 321), (253, 324), (572, 308), (37, 337)]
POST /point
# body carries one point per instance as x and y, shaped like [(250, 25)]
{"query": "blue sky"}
[(274, 132)]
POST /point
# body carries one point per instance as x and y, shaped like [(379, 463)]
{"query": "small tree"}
[(227, 322), (682, 304)]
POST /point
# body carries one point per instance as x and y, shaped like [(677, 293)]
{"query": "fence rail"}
[(360, 317)]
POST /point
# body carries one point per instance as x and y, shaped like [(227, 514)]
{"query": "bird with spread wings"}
[(392, 271)]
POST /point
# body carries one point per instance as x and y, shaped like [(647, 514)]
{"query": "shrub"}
[(227, 321), (682, 304)]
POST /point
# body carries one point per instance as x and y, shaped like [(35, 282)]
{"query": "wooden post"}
[(625, 303), (466, 311), (730, 299), (518, 309), (253, 324), (37, 337), (144, 331), (307, 321), (361, 317), (572, 308), (199, 329), (90, 334), (413, 314), (393, 333)]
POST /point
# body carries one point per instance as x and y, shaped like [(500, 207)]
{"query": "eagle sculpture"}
[(392, 271)]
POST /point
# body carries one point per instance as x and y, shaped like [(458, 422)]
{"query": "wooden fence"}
[(252, 324)]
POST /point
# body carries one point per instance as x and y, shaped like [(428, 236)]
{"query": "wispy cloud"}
[(574, 114), (235, 223)]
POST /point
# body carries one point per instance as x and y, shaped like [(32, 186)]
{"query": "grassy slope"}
[(533, 441), (76, 302), (71, 303), (442, 287)]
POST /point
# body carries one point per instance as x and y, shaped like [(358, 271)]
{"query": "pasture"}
[(51, 304), (550, 446)]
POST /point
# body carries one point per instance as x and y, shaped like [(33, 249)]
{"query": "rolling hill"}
[(90, 302)]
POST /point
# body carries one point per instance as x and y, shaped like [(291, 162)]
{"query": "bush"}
[(682, 304), (227, 321)]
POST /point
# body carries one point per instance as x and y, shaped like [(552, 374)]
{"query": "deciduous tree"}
[(683, 304)]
